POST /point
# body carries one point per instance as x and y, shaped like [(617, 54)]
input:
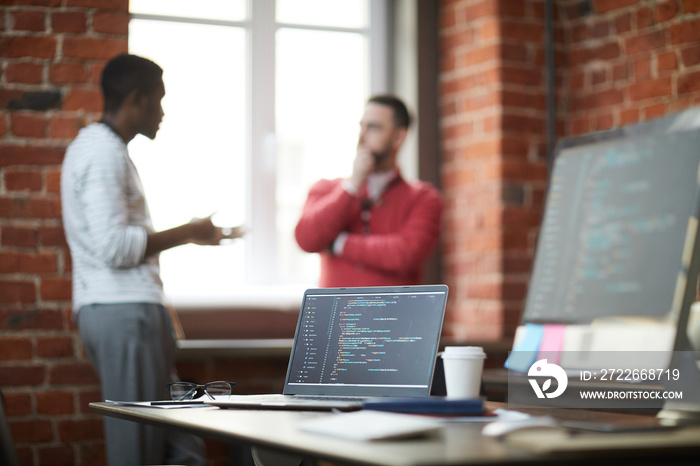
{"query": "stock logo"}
[(541, 369)]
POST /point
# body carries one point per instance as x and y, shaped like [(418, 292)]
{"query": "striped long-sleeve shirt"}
[(106, 221)]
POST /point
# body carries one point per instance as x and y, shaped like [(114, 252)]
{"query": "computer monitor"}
[(615, 259), (682, 121)]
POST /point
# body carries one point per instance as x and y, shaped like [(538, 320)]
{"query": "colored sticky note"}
[(526, 348), (552, 342)]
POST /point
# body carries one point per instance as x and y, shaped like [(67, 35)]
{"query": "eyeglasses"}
[(182, 391)]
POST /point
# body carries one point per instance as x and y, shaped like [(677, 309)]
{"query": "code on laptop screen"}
[(368, 339)]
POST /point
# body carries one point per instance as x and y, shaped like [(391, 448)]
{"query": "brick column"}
[(492, 95)]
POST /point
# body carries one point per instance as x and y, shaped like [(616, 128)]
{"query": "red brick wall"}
[(618, 62), (51, 55), (629, 62)]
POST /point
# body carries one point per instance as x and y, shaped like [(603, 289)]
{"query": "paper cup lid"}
[(463, 352)]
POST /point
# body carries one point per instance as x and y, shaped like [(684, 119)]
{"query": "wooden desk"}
[(456, 444)]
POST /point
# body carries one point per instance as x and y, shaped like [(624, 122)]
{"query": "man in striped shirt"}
[(118, 299)]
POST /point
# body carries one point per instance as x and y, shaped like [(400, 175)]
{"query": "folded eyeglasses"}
[(184, 391)]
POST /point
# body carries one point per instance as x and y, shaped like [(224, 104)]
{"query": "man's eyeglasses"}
[(184, 391)]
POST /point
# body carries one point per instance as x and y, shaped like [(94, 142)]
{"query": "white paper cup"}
[(463, 367)]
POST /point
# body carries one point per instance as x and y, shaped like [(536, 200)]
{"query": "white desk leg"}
[(267, 457)]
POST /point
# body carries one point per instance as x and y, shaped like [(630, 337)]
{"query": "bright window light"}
[(317, 125), (338, 13), (203, 160)]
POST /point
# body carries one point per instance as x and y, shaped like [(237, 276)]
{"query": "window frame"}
[(261, 27)]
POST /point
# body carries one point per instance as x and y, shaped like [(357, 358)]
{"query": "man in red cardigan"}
[(373, 228)]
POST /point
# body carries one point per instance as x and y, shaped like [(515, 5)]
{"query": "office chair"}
[(8, 455)]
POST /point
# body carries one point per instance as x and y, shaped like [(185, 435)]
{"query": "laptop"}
[(357, 344)]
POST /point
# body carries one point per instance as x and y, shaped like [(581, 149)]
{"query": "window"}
[(263, 98)]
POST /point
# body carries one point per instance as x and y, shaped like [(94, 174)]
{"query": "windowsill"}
[(278, 298), (266, 347), (258, 313)]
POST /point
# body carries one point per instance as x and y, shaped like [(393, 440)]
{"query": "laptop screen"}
[(379, 341)]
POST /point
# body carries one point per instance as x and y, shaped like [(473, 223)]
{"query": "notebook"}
[(357, 344)]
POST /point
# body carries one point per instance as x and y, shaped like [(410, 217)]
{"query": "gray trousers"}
[(132, 348)]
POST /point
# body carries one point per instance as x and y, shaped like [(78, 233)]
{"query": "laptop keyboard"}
[(302, 398), (326, 398)]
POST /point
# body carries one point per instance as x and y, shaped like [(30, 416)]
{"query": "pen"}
[(163, 403)]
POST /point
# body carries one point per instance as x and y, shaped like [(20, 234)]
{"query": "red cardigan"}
[(404, 228)]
